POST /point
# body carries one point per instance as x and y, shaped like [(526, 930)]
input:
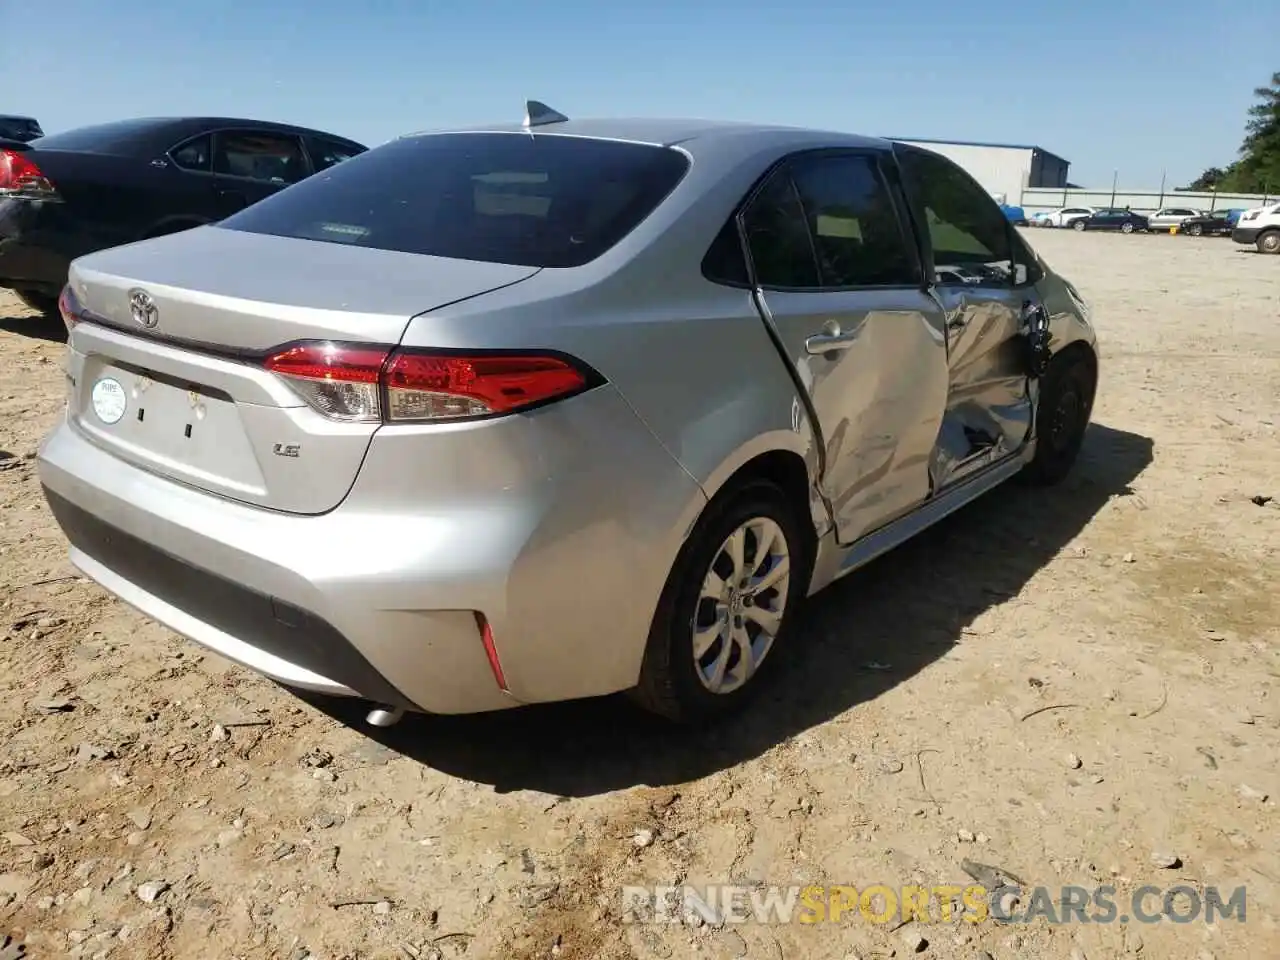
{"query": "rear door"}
[(249, 165), (183, 186), (975, 252), (839, 281)]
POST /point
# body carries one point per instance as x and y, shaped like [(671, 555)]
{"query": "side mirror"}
[(1020, 275)]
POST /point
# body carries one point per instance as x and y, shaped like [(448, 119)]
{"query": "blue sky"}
[(1133, 85)]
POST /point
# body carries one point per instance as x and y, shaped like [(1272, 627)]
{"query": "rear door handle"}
[(821, 343)]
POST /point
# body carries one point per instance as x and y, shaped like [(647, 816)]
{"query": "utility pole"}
[(1115, 175), (1162, 179)]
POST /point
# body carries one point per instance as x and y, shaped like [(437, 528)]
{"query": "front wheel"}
[(1269, 242), (1194, 230), (1078, 225), (727, 612), (1062, 417)]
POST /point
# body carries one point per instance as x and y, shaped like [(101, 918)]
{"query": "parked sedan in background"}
[(437, 363), (1217, 224), (1125, 221), (1062, 216), (73, 193), (1167, 218), (22, 129)]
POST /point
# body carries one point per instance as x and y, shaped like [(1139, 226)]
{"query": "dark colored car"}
[(1125, 221), (22, 129), (1217, 224), (73, 193)]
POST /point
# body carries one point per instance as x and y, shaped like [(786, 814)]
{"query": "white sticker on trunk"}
[(109, 400)]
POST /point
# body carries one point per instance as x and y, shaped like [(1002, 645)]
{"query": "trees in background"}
[(1258, 169)]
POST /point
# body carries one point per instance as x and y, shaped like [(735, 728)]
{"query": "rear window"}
[(100, 138), (538, 200)]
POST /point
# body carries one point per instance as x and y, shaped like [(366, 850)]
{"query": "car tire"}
[(1194, 230), (677, 682), (1126, 228), (1268, 242), (1078, 225), (1063, 410), (43, 302)]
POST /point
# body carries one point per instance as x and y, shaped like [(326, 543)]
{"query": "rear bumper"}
[(288, 643), (563, 548), (33, 253), (1247, 235)]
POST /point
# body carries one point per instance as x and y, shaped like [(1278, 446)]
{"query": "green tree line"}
[(1258, 168)]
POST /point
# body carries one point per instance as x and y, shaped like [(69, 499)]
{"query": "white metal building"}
[(1005, 169)]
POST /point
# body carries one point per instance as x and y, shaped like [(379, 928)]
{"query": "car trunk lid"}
[(172, 379)]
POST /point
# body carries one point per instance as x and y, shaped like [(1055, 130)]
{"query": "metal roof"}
[(980, 143)]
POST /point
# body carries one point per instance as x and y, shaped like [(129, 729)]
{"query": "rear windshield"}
[(100, 138), (538, 200)]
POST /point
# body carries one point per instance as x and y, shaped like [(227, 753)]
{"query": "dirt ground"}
[(158, 802)]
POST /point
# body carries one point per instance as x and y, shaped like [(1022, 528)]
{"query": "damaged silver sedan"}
[(549, 410)]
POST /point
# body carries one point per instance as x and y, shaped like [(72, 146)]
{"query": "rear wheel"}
[(1078, 225), (1126, 228), (1194, 230), (1062, 417), (727, 612), (1269, 242)]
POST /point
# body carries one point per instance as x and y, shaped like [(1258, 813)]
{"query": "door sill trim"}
[(835, 560)]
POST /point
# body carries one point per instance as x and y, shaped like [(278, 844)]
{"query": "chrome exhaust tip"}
[(385, 716)]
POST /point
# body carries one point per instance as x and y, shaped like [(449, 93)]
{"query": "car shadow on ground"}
[(36, 327), (867, 633)]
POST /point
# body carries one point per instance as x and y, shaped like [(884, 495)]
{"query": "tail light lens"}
[(340, 382), (21, 179), (68, 307), (371, 384)]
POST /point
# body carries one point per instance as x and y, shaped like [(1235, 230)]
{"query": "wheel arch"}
[(1082, 349), (791, 471)]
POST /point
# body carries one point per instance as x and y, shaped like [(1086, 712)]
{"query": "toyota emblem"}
[(143, 309)]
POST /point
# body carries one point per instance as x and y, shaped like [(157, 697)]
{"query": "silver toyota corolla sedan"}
[(555, 409)]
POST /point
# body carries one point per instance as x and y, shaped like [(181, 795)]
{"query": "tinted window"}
[(778, 237), (273, 157), (966, 227), (724, 262), (855, 228), (326, 153), (542, 200), (104, 137), (195, 154)]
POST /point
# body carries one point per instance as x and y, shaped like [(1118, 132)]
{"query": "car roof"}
[(156, 132), (694, 135)]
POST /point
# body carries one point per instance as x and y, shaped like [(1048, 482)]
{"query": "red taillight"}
[(491, 650), (20, 178), (68, 307), (358, 383), (425, 386), (341, 382)]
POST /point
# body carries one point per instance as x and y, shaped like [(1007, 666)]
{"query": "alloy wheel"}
[(741, 605)]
